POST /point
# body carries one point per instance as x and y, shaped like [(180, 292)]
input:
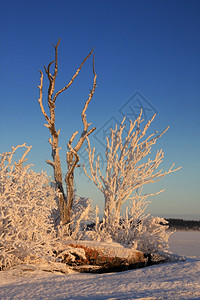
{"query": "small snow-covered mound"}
[(98, 257)]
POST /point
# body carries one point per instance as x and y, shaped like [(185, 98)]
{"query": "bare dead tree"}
[(65, 200)]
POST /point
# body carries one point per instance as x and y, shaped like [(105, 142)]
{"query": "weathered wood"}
[(65, 200)]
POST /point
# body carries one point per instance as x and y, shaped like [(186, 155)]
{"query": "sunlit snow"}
[(166, 281)]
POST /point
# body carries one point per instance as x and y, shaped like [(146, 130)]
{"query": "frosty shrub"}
[(151, 235), (135, 229), (142, 231), (26, 204)]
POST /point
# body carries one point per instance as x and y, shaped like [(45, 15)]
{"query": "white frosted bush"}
[(151, 235), (134, 229), (26, 204), (140, 230)]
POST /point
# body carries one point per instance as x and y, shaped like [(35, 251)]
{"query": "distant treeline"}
[(173, 224), (183, 224)]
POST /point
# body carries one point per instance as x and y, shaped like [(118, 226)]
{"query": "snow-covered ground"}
[(167, 281)]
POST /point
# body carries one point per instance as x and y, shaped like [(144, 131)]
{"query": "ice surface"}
[(185, 243)]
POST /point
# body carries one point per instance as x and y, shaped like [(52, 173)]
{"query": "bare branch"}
[(56, 60), (85, 133), (50, 141), (47, 70), (40, 98), (72, 138), (83, 114), (90, 131), (47, 125), (71, 81), (74, 163), (51, 163), (52, 79)]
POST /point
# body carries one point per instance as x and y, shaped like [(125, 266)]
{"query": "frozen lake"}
[(185, 243)]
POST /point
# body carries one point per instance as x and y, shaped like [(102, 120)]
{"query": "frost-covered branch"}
[(128, 166), (8, 156)]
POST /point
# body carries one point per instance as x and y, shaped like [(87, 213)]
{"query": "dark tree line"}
[(183, 224)]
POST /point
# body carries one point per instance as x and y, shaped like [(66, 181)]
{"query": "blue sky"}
[(146, 50)]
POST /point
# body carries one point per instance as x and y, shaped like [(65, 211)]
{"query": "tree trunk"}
[(58, 179), (70, 186)]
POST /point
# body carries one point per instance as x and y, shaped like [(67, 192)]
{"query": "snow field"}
[(172, 281), (168, 281)]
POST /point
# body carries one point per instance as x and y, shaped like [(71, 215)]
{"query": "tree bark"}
[(70, 186)]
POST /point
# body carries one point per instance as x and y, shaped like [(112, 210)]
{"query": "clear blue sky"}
[(147, 47)]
